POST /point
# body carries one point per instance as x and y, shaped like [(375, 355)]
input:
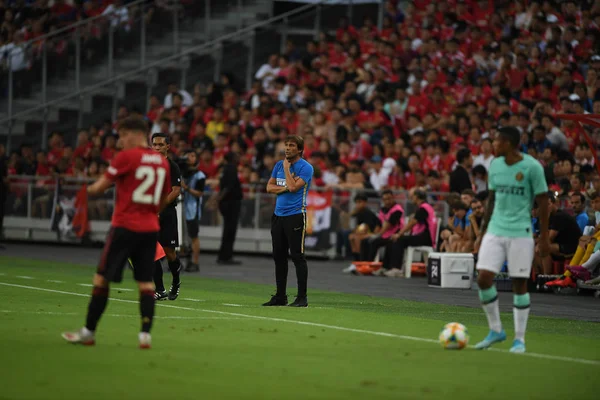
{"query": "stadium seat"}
[(409, 253)]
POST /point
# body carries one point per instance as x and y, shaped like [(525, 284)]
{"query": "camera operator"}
[(193, 188)]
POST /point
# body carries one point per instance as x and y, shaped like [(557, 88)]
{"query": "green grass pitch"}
[(216, 342)]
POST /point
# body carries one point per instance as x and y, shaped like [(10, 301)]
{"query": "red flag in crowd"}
[(81, 223)]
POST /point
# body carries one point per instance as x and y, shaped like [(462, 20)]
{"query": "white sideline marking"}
[(54, 281), (114, 288), (117, 315), (2, 274), (315, 324), (38, 312), (193, 300), (25, 277), (232, 305)]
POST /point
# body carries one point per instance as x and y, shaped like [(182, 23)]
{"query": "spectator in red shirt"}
[(57, 148), (110, 148), (156, 109), (345, 27), (84, 146), (207, 165), (63, 11)]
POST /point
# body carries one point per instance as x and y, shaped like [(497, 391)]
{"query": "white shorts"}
[(495, 250)]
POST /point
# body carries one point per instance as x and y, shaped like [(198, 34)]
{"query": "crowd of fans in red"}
[(390, 107)]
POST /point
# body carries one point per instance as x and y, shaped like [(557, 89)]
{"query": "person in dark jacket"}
[(230, 202), (459, 178)]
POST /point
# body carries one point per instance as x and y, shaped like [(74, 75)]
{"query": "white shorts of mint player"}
[(517, 251)]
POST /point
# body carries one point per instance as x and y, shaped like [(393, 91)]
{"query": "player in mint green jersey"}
[(515, 181)]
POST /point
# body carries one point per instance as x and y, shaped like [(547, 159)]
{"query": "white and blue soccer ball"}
[(454, 336)]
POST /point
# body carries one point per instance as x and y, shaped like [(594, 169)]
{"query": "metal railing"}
[(102, 40), (30, 200), (144, 68)]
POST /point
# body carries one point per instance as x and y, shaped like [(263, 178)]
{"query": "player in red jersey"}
[(142, 184)]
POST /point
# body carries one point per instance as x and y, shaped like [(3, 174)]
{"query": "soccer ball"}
[(454, 336)]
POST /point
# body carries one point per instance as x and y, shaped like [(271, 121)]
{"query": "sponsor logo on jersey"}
[(152, 159), (507, 189), (280, 182), (519, 177)]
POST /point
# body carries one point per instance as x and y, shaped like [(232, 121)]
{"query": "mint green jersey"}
[(515, 188)]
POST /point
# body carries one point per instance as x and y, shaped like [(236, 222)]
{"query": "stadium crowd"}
[(414, 105)]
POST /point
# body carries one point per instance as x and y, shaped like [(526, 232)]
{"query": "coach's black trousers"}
[(370, 246), (394, 251), (287, 234), (231, 216)]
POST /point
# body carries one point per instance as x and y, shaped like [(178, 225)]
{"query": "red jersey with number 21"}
[(142, 177)]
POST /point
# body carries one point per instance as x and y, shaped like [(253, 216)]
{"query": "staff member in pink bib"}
[(422, 227), (391, 217)]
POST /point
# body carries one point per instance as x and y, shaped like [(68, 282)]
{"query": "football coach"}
[(290, 181)]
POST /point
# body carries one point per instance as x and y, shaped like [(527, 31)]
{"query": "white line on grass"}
[(193, 300), (115, 288), (315, 324), (54, 281), (37, 312), (118, 315), (2, 274), (232, 305), (25, 277)]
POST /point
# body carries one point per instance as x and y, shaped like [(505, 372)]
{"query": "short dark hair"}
[(361, 197), (295, 139), (231, 157), (462, 155), (386, 191), (135, 124), (482, 196), (421, 195), (580, 195), (511, 134), (479, 170), (579, 177), (161, 135), (469, 192), (459, 205)]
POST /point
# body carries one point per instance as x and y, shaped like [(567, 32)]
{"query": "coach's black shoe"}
[(231, 261), (162, 295), (174, 291), (299, 302), (276, 301)]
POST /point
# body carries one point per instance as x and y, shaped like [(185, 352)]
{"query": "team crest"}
[(519, 177)]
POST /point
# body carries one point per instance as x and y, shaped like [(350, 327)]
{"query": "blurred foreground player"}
[(168, 236), (158, 255), (515, 179), (142, 184)]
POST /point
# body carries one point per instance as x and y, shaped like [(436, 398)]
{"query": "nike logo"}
[(297, 229)]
